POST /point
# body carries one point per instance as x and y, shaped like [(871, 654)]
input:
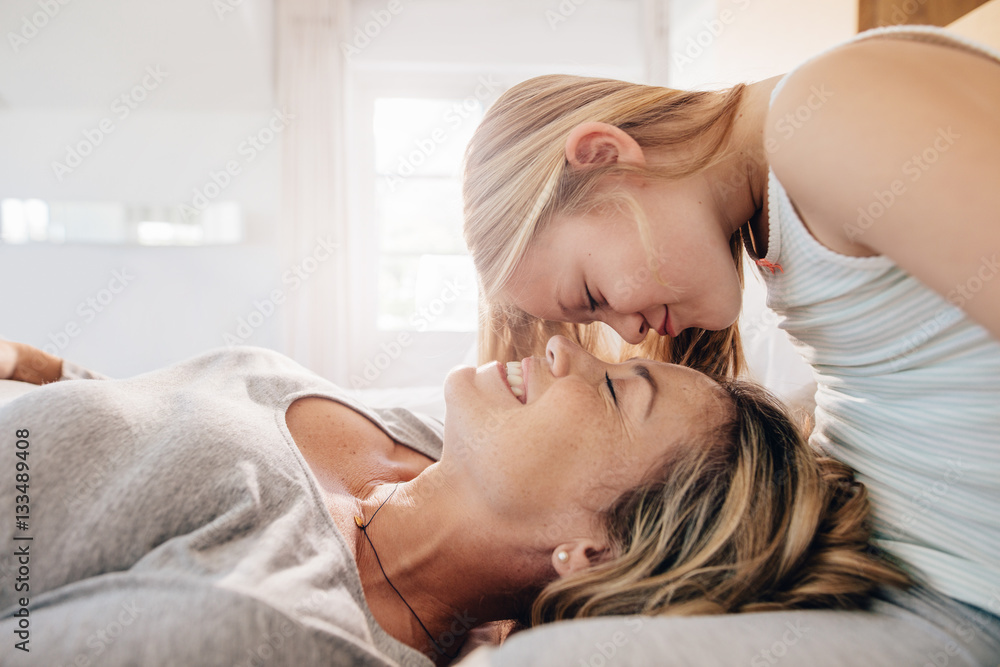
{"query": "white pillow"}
[(11, 389)]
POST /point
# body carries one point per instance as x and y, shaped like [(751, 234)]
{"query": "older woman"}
[(237, 509)]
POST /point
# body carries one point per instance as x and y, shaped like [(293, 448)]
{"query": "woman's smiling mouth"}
[(513, 377)]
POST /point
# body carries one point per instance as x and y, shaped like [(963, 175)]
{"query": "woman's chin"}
[(458, 380)]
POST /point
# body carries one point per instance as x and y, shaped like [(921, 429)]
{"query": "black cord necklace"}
[(364, 530)]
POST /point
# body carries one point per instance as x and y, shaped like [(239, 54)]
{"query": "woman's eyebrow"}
[(643, 372)]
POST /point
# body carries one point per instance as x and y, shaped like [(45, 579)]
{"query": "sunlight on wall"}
[(718, 43)]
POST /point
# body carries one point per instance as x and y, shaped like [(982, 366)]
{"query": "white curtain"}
[(311, 87), (656, 41)]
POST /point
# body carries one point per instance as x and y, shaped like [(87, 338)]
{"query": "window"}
[(414, 294), (37, 221), (418, 89), (23, 220), (426, 281)]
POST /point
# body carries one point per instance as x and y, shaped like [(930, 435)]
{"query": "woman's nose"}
[(632, 327), (565, 357)]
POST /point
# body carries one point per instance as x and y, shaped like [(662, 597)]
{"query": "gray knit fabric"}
[(173, 521)]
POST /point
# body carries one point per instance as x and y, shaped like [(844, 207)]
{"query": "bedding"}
[(11, 389)]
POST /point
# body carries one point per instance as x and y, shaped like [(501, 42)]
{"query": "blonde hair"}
[(752, 520), (516, 178)]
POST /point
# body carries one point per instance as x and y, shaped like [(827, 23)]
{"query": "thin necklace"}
[(364, 530)]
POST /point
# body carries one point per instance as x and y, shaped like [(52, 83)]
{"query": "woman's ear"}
[(594, 144), (577, 555)]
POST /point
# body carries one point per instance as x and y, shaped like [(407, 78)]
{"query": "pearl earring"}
[(562, 556)]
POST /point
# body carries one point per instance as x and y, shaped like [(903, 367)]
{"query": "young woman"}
[(863, 185), (237, 509)]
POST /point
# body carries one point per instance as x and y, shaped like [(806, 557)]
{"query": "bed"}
[(660, 641)]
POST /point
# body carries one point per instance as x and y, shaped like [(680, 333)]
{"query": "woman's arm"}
[(28, 364), (892, 147)]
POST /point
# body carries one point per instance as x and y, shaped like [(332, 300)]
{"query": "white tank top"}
[(908, 389)]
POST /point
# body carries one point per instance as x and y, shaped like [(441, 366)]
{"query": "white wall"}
[(127, 310), (718, 43), (528, 36), (214, 86)]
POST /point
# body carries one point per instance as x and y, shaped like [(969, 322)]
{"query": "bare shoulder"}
[(852, 131), (346, 450)]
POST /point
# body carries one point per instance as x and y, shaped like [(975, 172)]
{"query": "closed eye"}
[(611, 388), (591, 301)]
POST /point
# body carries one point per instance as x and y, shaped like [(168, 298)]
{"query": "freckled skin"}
[(570, 443), (690, 269)]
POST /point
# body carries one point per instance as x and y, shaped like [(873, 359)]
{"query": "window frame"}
[(423, 357)]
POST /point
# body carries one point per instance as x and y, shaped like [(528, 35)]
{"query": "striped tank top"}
[(908, 390)]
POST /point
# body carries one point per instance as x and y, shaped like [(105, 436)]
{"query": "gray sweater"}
[(173, 521)]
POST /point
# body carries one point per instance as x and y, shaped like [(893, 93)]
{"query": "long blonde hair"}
[(752, 520), (516, 178)]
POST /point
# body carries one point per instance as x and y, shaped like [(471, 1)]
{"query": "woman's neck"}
[(424, 562), (739, 180)]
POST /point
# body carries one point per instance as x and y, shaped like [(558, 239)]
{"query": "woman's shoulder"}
[(861, 122), (237, 363), (882, 89)]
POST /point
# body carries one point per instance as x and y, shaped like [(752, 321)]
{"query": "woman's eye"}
[(611, 388), (591, 301)]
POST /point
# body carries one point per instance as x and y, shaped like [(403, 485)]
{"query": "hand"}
[(28, 364), (8, 359)]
